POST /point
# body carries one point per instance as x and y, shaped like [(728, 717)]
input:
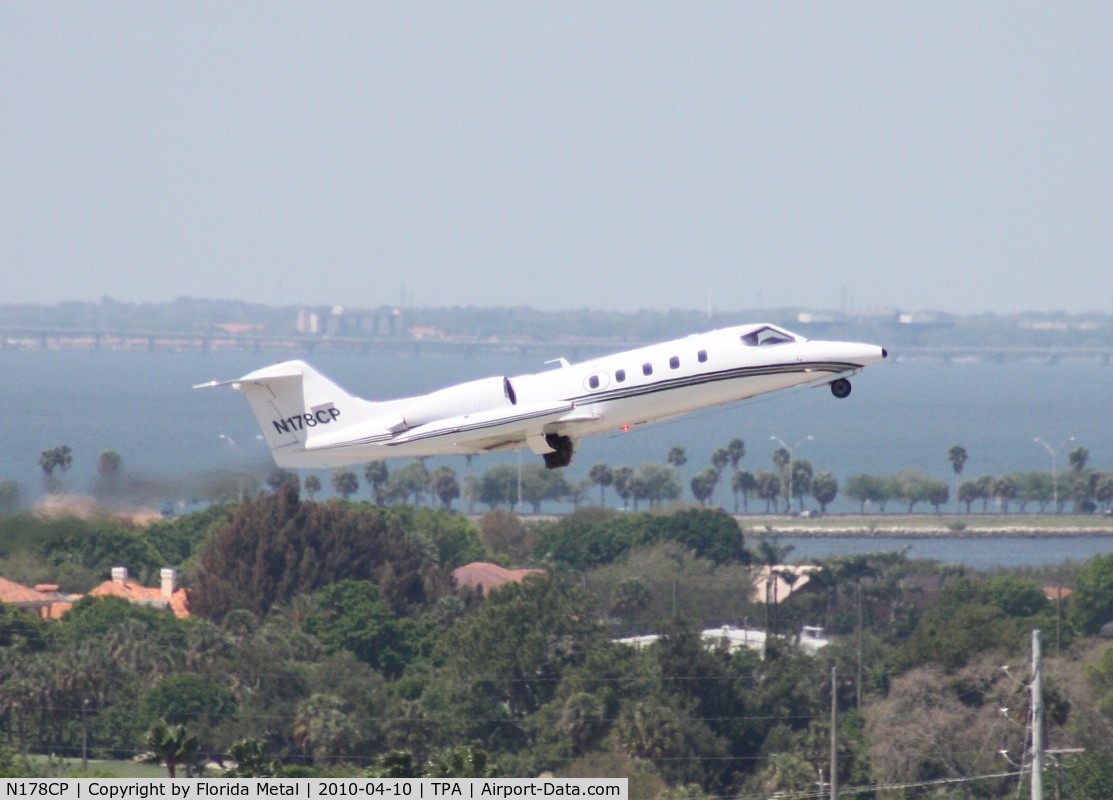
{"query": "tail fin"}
[(294, 404)]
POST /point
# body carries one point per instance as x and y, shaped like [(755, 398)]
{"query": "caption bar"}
[(313, 788)]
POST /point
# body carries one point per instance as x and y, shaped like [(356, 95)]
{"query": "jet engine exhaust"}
[(562, 451)]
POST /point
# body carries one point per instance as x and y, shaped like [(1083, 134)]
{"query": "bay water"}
[(901, 415)]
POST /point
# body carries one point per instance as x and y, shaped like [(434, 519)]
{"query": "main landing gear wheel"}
[(562, 451), (840, 388)]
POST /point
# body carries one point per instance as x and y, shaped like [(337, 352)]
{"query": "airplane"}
[(310, 422)]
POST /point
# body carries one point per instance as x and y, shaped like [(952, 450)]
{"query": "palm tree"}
[(1077, 459), (781, 459), (967, 493), (768, 488), (312, 485), (769, 554), (623, 479), (984, 488), (56, 458), (377, 475), (170, 745), (410, 480), (109, 463), (251, 760), (736, 450), (742, 482), (345, 483), (1004, 490), (800, 480), (719, 460), (322, 728), (278, 477), (703, 485), (445, 486), (602, 476), (462, 761), (678, 457), (824, 489), (957, 456)]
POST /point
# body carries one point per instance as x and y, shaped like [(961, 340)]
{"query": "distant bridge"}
[(1002, 354), (23, 338), (294, 344)]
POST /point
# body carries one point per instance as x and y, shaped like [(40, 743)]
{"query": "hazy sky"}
[(622, 155)]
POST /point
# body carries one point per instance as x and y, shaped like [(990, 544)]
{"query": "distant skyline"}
[(943, 156)]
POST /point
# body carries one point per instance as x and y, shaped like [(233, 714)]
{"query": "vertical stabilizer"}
[(294, 404)]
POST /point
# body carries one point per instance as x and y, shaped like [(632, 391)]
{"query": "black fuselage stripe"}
[(702, 378)]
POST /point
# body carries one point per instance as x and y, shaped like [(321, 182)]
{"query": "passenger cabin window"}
[(593, 382), (674, 362), (647, 369), (702, 356), (766, 336), (620, 375)]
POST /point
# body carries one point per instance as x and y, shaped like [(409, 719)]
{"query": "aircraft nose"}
[(870, 353)]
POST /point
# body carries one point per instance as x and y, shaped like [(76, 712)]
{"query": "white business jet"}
[(308, 421)]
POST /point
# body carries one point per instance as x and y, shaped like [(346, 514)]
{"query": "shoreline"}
[(759, 526), (929, 526)]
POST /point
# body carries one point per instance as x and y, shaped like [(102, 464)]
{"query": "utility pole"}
[(1037, 717), (858, 677), (834, 735)]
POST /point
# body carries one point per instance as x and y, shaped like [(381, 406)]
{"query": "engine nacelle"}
[(485, 394)]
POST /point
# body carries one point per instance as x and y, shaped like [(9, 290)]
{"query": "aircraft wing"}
[(495, 428)]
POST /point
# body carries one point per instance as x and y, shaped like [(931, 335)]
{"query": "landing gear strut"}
[(562, 451), (840, 388)]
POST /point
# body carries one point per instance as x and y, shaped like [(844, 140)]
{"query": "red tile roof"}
[(44, 599), (137, 593), (486, 576), (18, 594)]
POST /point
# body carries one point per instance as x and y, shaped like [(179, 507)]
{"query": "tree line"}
[(787, 487), (328, 638), (790, 486)]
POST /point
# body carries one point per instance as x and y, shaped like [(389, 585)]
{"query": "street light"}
[(1054, 453), (791, 458)]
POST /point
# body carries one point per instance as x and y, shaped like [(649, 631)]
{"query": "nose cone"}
[(862, 354), (846, 355)]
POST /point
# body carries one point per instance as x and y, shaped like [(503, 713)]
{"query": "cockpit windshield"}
[(767, 335)]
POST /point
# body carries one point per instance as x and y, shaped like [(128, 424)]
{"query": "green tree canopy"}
[(580, 541), (98, 546), (971, 617), (186, 697), (275, 547), (514, 648), (350, 615), (94, 618), (1092, 603), (454, 540)]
